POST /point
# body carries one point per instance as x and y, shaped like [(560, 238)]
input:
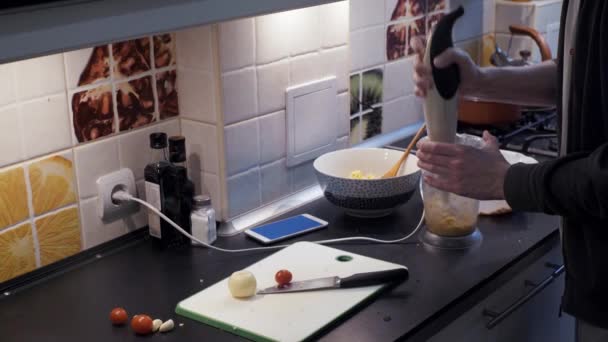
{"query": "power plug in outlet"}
[(107, 209)]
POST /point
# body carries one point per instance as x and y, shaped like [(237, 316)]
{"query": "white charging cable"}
[(122, 195)]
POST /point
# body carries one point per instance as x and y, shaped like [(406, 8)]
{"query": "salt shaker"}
[(203, 220)]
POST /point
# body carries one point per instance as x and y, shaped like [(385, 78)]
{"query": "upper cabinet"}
[(66, 25)]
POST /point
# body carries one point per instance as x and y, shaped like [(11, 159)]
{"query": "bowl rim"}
[(418, 170)]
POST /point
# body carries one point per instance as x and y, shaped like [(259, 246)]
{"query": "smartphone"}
[(287, 228)]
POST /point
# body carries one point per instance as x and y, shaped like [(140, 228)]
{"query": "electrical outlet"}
[(107, 209)]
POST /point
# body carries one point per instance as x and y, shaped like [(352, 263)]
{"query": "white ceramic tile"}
[(201, 146), (239, 95), (40, 76), (342, 143), (96, 232), (171, 127), (76, 62), (93, 161), (244, 192), (196, 95), (10, 136), (489, 16), (242, 146), (306, 68), (7, 84), (304, 32), (365, 13), (470, 25), (401, 112), (237, 44), (302, 176), (272, 37), (140, 218), (547, 13), (272, 137), (275, 181), (343, 114), (334, 24), (367, 47), (335, 62), (513, 14), (398, 79), (194, 48), (47, 124), (211, 187), (272, 79), (135, 151)]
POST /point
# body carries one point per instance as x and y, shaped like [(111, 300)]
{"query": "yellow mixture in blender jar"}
[(450, 216)]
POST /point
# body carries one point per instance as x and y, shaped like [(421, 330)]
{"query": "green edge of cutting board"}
[(260, 338)]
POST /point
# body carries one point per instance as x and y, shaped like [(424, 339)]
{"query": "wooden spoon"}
[(393, 171)]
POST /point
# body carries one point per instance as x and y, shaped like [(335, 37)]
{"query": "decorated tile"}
[(371, 88), (164, 50), (371, 123), (59, 235), (131, 57), (93, 113), (355, 131), (406, 9), (13, 197), (52, 183), (166, 88), (16, 252), (415, 28), (87, 66), (433, 19), (355, 93), (135, 103), (437, 5), (396, 41)]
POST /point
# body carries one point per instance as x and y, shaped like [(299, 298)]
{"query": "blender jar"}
[(447, 214)]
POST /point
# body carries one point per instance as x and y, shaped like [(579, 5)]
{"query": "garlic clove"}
[(167, 326), (156, 325)]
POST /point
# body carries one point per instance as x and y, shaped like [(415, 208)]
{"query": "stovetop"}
[(535, 134)]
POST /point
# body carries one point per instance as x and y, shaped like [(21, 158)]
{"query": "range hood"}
[(51, 26)]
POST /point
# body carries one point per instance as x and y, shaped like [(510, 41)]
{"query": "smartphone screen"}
[(286, 228)]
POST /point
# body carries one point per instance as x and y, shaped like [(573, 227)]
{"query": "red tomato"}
[(119, 316), (283, 277), (141, 324)]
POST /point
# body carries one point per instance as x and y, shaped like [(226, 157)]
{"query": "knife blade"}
[(355, 280)]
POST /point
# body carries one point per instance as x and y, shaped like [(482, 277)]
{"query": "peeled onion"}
[(242, 284)]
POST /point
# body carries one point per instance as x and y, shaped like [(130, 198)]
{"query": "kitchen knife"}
[(355, 280)]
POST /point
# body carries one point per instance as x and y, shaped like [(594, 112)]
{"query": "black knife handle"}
[(374, 278)]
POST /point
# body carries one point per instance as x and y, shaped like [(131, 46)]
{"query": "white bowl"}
[(366, 197)]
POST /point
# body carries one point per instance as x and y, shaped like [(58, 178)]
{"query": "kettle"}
[(500, 58)]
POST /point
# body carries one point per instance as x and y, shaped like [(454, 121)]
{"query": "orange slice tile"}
[(58, 235), (13, 197), (52, 181), (16, 252)]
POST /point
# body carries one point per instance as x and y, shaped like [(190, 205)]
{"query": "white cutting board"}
[(285, 316)]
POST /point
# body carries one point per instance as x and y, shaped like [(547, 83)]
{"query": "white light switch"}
[(311, 120)]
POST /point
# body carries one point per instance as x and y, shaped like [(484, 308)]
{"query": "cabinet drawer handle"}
[(498, 317)]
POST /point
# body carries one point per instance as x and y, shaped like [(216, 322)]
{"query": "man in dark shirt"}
[(575, 185)]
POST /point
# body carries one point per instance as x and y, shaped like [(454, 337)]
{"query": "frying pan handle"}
[(374, 278), (545, 51)]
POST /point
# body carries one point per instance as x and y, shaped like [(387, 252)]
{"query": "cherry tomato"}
[(119, 316), (283, 277), (141, 324)]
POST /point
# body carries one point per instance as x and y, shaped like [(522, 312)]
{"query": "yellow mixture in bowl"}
[(357, 174)]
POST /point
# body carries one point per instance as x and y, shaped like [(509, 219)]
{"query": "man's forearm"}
[(534, 85)]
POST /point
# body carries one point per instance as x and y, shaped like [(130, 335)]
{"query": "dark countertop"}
[(74, 305)]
